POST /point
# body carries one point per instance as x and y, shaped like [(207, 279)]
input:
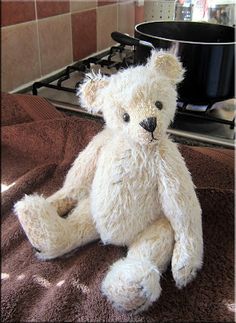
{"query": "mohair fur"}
[(126, 188)]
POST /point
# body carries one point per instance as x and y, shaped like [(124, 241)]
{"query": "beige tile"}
[(107, 17), (20, 59), (126, 17), (80, 5), (55, 41)]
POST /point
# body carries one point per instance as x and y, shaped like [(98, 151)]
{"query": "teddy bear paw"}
[(132, 285), (185, 264), (184, 272), (184, 275)]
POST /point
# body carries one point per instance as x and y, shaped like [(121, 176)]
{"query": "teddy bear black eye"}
[(159, 105), (126, 117)]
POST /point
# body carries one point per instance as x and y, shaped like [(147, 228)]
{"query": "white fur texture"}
[(132, 284), (128, 187)]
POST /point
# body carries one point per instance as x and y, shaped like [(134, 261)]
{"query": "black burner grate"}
[(84, 67)]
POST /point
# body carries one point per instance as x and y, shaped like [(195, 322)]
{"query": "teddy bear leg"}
[(50, 234), (133, 282)]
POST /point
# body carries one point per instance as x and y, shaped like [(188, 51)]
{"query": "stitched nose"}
[(149, 124)]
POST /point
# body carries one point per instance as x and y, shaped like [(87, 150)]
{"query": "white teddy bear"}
[(128, 187)]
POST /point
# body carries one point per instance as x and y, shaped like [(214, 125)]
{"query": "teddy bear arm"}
[(79, 178), (181, 207)]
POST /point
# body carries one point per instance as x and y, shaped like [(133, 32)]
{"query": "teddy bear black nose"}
[(149, 124)]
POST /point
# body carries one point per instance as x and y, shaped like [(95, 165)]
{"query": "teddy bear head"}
[(138, 102)]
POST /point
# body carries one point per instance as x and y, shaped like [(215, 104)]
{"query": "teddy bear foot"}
[(42, 225), (132, 285)]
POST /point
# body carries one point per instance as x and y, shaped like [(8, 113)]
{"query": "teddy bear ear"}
[(168, 64), (88, 92)]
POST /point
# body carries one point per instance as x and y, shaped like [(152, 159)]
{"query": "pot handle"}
[(128, 40)]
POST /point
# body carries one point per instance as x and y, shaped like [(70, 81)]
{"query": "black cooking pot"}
[(206, 51)]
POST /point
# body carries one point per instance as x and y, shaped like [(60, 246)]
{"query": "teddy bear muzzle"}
[(149, 124)]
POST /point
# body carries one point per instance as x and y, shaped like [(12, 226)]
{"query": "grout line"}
[(37, 29), (71, 35), (78, 11), (70, 6), (54, 16), (117, 16), (18, 24), (35, 9), (96, 28)]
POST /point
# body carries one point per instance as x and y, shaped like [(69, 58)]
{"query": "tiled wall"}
[(42, 36)]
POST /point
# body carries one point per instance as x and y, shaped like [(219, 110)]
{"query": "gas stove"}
[(209, 125)]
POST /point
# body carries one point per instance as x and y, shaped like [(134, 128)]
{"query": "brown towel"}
[(36, 154), (19, 108)]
